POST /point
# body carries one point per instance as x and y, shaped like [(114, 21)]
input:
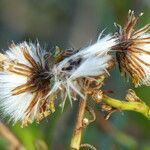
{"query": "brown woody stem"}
[(77, 133)]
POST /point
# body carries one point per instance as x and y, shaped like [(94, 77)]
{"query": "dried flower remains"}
[(31, 79), (24, 82), (87, 63), (134, 50)]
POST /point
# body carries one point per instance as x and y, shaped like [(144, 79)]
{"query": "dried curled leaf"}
[(132, 97)]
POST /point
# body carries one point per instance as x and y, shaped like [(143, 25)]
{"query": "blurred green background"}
[(75, 23)]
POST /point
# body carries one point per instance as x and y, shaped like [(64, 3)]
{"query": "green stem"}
[(140, 107)]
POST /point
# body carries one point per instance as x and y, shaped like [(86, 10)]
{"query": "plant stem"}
[(12, 139), (77, 133), (140, 107)]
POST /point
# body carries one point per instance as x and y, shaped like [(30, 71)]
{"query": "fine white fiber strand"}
[(101, 34), (69, 93), (55, 87), (74, 88)]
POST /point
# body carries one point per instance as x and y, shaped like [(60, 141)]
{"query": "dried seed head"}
[(97, 96), (25, 82), (87, 63), (85, 122), (134, 51), (106, 107)]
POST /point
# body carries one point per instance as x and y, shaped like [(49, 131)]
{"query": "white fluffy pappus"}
[(24, 82), (89, 62), (99, 48)]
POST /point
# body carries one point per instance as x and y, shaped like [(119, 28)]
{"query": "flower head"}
[(87, 63), (25, 82), (134, 51)]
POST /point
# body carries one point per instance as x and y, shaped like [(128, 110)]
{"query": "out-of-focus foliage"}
[(75, 23)]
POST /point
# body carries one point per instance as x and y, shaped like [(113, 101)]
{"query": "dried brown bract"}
[(133, 53)]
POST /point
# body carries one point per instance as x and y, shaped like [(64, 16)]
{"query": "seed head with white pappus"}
[(24, 82), (87, 63), (134, 51)]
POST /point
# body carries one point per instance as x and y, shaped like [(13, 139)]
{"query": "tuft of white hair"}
[(18, 99), (101, 47), (92, 67), (94, 61)]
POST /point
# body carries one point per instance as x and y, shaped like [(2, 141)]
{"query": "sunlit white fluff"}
[(89, 62), (92, 67), (101, 47), (21, 94)]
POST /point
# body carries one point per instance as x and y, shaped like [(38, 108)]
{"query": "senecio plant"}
[(32, 80)]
